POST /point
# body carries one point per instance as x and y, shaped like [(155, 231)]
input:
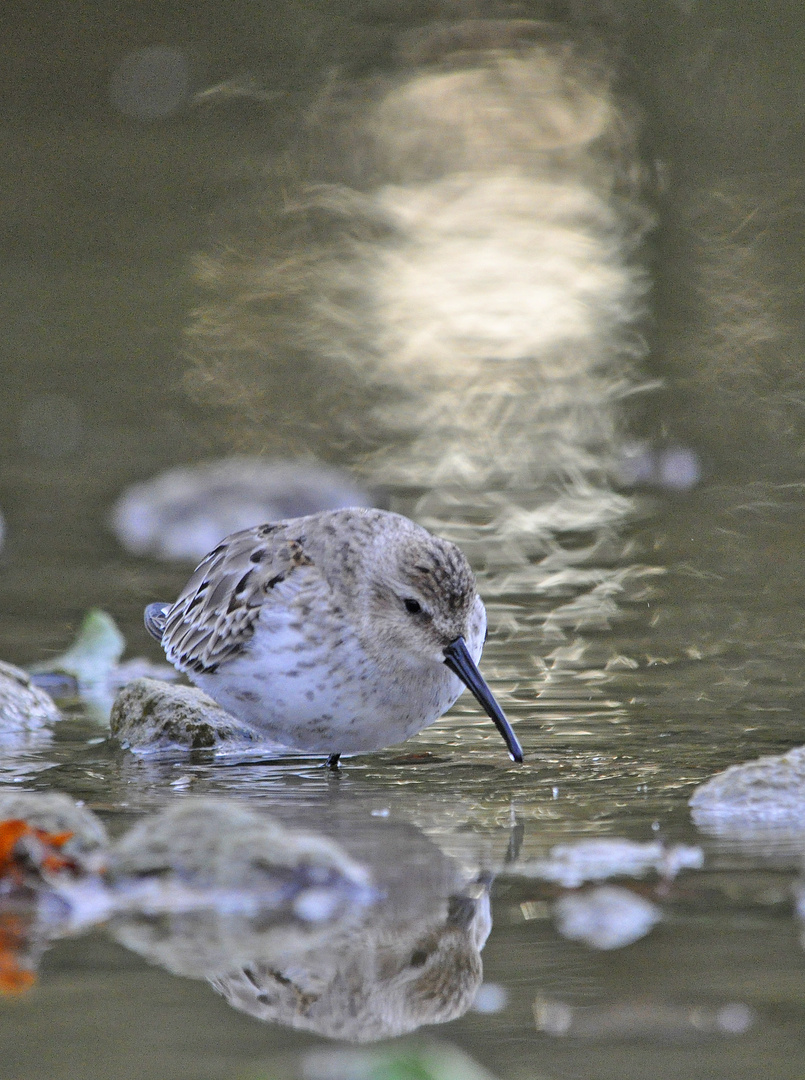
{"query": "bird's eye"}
[(413, 607)]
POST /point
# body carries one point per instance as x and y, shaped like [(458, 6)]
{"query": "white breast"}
[(306, 682)]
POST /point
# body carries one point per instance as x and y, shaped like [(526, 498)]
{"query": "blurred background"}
[(129, 133)]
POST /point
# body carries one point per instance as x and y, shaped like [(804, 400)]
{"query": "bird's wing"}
[(214, 618)]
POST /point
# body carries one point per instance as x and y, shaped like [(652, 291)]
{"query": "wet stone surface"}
[(766, 792), (23, 706), (152, 715)]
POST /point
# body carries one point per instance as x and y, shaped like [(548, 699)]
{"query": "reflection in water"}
[(399, 970), (283, 923), (656, 1021), (391, 976), (456, 279), (150, 83), (608, 917), (411, 957), (571, 865), (447, 285), (436, 1061)]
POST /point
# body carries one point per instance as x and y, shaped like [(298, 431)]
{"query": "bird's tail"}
[(155, 619)]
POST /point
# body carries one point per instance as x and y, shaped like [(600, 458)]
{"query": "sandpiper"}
[(338, 633)]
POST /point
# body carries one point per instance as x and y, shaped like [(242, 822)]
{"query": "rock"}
[(23, 706), (182, 514), (93, 655), (767, 792), (56, 812), (92, 669), (149, 714)]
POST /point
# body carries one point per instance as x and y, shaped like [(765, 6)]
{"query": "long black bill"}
[(457, 658)]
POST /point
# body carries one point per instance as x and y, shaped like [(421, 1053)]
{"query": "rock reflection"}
[(610, 916), (55, 812), (605, 918), (208, 885), (571, 865), (654, 1021)]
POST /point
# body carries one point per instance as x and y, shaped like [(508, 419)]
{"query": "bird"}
[(341, 632)]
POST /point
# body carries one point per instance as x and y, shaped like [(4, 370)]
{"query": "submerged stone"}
[(23, 706), (149, 714), (767, 792)]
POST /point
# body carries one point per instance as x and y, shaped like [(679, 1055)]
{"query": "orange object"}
[(47, 857), (14, 979)]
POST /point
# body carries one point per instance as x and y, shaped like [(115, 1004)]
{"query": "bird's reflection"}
[(326, 955), (393, 974)]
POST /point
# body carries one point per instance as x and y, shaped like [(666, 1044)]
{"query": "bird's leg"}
[(332, 762)]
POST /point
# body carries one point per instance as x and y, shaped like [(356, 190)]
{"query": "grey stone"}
[(23, 706), (149, 714), (56, 812), (767, 792), (182, 514)]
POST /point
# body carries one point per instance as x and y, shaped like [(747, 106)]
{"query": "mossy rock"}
[(152, 715)]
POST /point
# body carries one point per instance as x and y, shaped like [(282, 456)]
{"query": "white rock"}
[(767, 792)]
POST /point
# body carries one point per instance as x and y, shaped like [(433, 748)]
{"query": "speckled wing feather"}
[(214, 618)]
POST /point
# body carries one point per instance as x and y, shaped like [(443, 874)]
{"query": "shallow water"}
[(688, 657)]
